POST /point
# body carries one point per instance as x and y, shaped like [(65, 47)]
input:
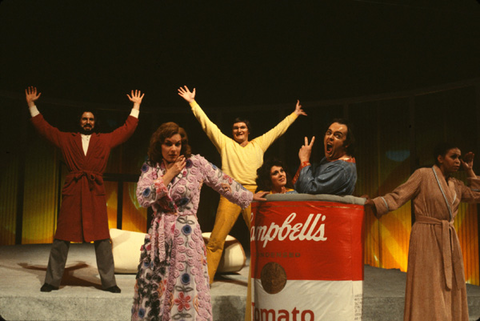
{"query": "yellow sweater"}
[(240, 162)]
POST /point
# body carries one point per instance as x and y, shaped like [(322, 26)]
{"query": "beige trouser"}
[(227, 214)]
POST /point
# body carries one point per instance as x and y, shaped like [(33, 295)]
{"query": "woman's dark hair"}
[(264, 180), (442, 150), (243, 120), (166, 130), (350, 139)]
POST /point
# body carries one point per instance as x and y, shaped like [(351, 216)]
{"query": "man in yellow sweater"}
[(240, 159)]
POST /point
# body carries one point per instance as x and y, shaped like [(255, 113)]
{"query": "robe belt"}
[(162, 236), (92, 177), (449, 254)]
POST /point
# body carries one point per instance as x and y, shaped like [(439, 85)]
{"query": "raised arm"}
[(213, 132), (123, 133), (31, 95), (269, 137), (136, 98)]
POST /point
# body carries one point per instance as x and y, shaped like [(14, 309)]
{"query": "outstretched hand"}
[(260, 196), (136, 98), (369, 204), (186, 94), (306, 150), (298, 109), (31, 95)]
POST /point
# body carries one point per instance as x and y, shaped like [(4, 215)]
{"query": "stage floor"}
[(22, 272)]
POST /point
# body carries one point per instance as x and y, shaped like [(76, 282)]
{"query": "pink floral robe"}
[(172, 279)]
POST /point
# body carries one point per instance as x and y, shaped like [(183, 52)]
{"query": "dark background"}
[(235, 52)]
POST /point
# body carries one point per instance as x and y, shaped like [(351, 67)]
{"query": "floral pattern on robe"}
[(172, 280)]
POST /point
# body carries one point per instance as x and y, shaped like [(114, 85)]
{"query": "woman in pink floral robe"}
[(172, 279)]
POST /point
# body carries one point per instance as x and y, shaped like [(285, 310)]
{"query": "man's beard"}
[(86, 132)]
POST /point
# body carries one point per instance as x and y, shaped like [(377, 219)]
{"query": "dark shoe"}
[(113, 289), (48, 288)]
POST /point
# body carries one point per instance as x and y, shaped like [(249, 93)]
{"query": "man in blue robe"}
[(337, 172)]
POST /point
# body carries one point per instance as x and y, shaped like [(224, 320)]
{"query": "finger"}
[(306, 141), (311, 143)]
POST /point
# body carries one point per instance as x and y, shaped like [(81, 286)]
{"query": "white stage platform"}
[(22, 272)]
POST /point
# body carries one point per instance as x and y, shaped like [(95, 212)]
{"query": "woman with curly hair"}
[(273, 177), (172, 280)]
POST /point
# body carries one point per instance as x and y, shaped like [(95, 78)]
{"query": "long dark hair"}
[(264, 180), (166, 130)]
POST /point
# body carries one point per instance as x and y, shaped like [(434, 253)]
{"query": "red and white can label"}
[(306, 260)]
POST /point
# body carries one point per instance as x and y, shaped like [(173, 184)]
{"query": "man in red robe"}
[(83, 214)]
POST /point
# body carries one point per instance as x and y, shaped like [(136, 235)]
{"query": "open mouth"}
[(329, 148)]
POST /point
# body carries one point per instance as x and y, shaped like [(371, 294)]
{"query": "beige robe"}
[(435, 276)]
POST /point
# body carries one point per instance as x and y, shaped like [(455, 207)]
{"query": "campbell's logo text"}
[(312, 230)]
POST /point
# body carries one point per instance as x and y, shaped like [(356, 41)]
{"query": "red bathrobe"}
[(83, 214)]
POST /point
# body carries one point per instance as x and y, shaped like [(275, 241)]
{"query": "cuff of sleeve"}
[(135, 113), (248, 201), (193, 104), (305, 164), (475, 180), (294, 115), (34, 111), (381, 205)]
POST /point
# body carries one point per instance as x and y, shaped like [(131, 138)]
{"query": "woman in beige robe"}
[(435, 275)]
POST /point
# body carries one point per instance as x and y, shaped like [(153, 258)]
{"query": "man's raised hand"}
[(298, 109), (186, 94), (31, 95), (136, 98), (306, 150)]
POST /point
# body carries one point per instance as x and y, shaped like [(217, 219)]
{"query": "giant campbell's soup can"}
[(307, 260)]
